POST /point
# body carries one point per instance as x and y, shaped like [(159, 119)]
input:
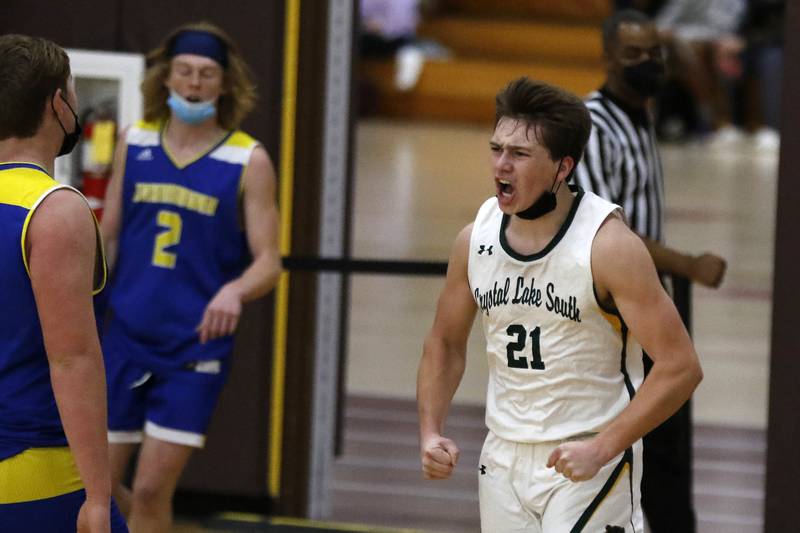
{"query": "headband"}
[(201, 43)]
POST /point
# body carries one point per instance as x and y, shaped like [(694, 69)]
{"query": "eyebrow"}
[(189, 65), (510, 146)]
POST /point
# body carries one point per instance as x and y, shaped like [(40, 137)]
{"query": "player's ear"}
[(57, 98), (58, 104), (565, 167)]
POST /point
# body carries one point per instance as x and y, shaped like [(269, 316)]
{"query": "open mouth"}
[(193, 99), (504, 188)]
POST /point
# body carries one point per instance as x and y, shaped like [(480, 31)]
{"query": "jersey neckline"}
[(19, 164), (553, 242), (195, 159)]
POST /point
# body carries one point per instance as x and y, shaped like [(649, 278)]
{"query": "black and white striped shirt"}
[(621, 163)]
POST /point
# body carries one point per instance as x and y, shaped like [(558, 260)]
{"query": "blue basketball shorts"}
[(173, 406)]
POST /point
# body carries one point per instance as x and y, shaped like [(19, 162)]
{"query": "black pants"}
[(667, 475)]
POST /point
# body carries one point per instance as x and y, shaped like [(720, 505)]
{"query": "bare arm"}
[(443, 362), (624, 272), (61, 246), (112, 207), (261, 224), (706, 269)]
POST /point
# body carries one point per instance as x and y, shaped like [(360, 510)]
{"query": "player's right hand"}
[(94, 518), (439, 457), (222, 313)]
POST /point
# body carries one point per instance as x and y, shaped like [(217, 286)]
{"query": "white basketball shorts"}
[(518, 493)]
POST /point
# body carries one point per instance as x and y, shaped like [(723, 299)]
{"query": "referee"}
[(622, 164)]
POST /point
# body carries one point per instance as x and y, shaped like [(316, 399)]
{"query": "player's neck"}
[(29, 150), (192, 137), (531, 236)]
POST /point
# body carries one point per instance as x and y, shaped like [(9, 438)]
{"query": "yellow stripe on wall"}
[(289, 103)]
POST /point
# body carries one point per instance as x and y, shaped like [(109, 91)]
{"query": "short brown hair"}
[(239, 96), (31, 69), (559, 119)]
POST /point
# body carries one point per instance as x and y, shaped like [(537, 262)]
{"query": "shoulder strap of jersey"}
[(100, 269)]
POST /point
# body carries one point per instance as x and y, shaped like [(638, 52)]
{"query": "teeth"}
[(504, 182)]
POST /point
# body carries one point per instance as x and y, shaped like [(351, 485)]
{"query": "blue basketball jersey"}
[(181, 239), (28, 413)]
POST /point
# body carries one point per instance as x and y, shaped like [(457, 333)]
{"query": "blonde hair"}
[(239, 91)]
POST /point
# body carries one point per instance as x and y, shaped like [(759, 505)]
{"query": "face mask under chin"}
[(191, 112)]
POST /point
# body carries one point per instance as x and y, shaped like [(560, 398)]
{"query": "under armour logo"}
[(615, 529), (483, 470), (483, 248)]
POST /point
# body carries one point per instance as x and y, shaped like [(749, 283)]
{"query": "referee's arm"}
[(599, 172)]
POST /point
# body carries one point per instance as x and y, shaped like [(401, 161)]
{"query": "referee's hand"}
[(439, 457), (708, 270)]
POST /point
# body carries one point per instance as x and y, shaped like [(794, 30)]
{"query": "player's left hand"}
[(222, 314), (577, 460)]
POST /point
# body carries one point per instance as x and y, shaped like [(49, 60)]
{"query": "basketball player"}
[(566, 292), (54, 466), (191, 229)]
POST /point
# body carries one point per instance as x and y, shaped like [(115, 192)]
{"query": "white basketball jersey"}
[(559, 365)]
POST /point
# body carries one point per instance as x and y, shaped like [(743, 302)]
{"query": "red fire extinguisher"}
[(99, 134)]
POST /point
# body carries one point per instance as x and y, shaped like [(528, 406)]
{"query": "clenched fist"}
[(439, 457), (577, 460)]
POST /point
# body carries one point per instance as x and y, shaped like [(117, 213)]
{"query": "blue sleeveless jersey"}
[(181, 239), (28, 413)]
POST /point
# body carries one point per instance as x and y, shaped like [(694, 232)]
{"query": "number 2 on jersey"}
[(171, 236), (515, 361)]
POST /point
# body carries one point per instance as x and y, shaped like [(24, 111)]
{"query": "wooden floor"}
[(416, 186), (378, 479), (378, 483)]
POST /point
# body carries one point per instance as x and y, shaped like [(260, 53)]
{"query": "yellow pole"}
[(289, 102)]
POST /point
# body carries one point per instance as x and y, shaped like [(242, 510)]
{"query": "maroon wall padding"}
[(235, 460), (783, 434), (78, 24), (300, 340)]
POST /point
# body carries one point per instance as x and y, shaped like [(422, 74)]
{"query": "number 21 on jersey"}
[(518, 345), (173, 226)]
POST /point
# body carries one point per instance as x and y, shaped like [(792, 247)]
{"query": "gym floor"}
[(416, 186)]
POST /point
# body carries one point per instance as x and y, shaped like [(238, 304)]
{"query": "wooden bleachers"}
[(586, 10), (516, 39), (557, 42)]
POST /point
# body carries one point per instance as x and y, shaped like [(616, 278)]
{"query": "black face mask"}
[(645, 77), (545, 203), (70, 139)]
